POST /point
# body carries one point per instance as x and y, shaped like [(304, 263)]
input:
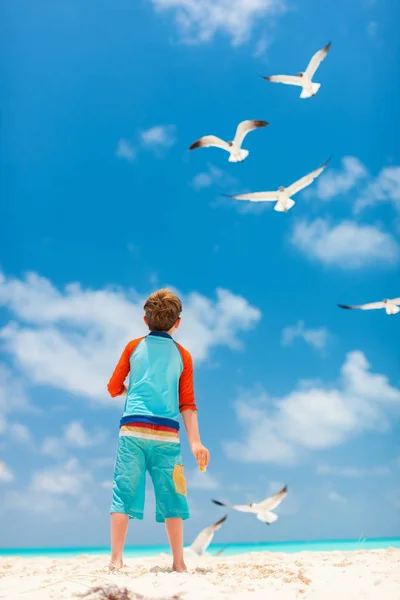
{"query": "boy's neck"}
[(162, 333)]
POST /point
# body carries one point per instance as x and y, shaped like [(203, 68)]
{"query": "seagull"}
[(304, 80), (236, 154), (204, 539), (261, 509), (391, 306), (282, 195)]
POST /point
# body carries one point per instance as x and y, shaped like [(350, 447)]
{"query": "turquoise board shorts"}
[(163, 461)]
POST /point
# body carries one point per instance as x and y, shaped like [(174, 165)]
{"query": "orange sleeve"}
[(186, 388), (116, 384)]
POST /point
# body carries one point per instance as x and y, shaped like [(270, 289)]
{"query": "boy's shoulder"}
[(133, 344), (185, 354)]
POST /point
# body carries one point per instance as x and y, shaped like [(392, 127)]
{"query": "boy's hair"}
[(162, 310)]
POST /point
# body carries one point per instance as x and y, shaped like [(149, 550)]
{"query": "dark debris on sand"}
[(113, 592)]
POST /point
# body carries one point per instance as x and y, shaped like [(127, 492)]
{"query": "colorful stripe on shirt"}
[(149, 431)]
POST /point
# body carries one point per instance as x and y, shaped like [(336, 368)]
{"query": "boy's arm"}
[(201, 453), (116, 385), (187, 407)]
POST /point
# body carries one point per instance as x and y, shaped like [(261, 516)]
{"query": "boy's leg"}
[(174, 527), (119, 528), (166, 470), (128, 492)]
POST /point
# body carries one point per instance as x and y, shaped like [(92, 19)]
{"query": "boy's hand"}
[(201, 454)]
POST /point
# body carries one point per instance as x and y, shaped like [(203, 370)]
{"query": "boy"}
[(160, 386)]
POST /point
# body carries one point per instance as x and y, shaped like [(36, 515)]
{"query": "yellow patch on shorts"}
[(179, 480)]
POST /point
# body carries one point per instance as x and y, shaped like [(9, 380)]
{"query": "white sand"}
[(364, 574)]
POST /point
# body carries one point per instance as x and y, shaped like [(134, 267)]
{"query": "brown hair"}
[(162, 310)]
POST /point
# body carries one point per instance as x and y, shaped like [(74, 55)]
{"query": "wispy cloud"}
[(352, 472), (6, 475), (62, 492), (199, 21), (347, 245), (336, 497), (314, 416), (160, 136), (213, 176), (75, 343), (158, 140), (126, 150), (337, 182), (384, 188), (74, 436), (318, 338), (372, 28), (355, 180), (201, 481)]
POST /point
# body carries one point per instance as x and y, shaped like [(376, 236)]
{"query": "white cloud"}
[(75, 343), (200, 20), (125, 150), (372, 28), (213, 176), (318, 338), (353, 472), (384, 188), (261, 47), (75, 436), (12, 398), (314, 416), (158, 137), (347, 245), (68, 479), (336, 497), (338, 182), (20, 433), (61, 493), (107, 484), (197, 480), (6, 475)]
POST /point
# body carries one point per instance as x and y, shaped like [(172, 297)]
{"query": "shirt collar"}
[(162, 334)]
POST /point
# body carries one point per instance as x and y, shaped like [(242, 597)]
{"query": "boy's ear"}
[(145, 321), (178, 322)]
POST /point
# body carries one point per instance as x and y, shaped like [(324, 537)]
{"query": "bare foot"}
[(115, 565), (179, 567)]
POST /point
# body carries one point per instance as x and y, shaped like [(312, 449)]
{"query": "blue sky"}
[(103, 203)]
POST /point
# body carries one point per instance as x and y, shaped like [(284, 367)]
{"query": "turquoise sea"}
[(226, 549)]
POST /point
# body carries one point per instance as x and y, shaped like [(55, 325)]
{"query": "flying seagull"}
[(282, 195), (204, 538), (304, 79), (391, 306), (261, 509), (236, 154)]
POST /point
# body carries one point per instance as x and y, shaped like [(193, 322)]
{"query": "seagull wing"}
[(244, 127), (288, 79), (317, 60), (306, 180), (396, 301), (273, 501), (245, 508), (370, 306), (205, 537), (258, 197), (210, 140)]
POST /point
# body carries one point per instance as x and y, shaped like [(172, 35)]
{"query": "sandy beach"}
[(364, 574)]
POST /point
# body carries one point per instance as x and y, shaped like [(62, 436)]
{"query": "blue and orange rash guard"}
[(160, 380)]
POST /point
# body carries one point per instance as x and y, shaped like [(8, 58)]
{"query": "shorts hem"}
[(183, 516), (131, 515)]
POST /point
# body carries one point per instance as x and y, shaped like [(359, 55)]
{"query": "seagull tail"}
[(271, 517), (240, 157)]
